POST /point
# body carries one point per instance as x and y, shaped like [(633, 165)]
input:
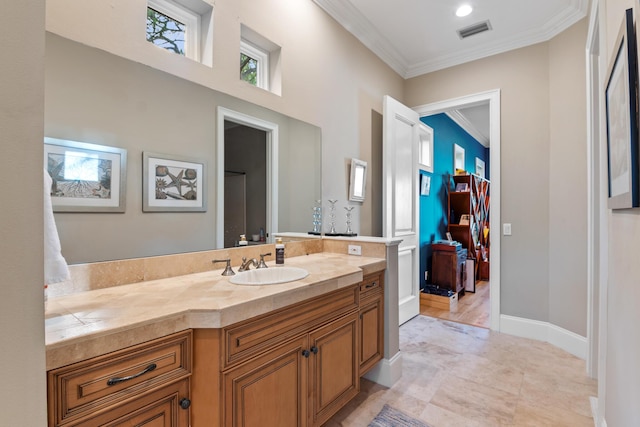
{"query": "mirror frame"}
[(357, 188)]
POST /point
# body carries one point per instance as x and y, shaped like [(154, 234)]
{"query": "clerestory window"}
[(254, 65), (173, 27)]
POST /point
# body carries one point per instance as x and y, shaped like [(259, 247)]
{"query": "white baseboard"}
[(545, 331), (387, 371), (595, 412)]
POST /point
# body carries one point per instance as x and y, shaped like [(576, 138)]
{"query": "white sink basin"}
[(269, 276)]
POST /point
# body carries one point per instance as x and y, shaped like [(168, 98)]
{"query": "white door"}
[(401, 133)]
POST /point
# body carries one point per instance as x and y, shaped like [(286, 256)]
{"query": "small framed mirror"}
[(358, 181), (458, 158)]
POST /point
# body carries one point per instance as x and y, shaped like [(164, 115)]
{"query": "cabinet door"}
[(371, 333), (444, 270), (333, 367), (270, 390), (160, 408)]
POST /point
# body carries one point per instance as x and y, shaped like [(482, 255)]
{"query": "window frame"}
[(190, 19), (262, 58)]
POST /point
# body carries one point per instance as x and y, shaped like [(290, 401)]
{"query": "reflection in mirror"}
[(96, 97), (357, 183), (246, 175)]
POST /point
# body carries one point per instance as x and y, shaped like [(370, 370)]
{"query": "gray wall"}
[(22, 359), (543, 118), (96, 97)]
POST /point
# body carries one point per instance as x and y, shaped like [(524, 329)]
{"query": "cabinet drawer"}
[(95, 384), (160, 408), (371, 284), (263, 332)]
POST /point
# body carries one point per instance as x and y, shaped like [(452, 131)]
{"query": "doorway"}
[(246, 178), (493, 99), (245, 182)]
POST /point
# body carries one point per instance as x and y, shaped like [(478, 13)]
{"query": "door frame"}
[(597, 213), (493, 97), (271, 130)]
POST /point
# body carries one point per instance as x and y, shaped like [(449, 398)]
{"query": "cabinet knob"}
[(185, 403), (305, 353), (314, 350)]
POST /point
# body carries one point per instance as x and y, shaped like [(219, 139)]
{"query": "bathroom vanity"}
[(198, 350)]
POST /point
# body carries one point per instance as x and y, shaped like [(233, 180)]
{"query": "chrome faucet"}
[(261, 264), (228, 271), (246, 264)]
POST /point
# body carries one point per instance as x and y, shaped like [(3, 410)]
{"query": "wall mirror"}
[(458, 158), (96, 97), (358, 180)]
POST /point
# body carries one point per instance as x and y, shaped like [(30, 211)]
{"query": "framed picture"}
[(480, 167), (358, 181), (464, 219), (173, 183), (621, 114), (458, 158), (86, 177), (425, 185), (462, 186)]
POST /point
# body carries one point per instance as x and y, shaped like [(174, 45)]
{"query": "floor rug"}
[(390, 417)]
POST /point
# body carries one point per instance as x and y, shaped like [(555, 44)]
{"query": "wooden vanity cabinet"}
[(146, 383), (307, 369), (371, 325), (301, 383)]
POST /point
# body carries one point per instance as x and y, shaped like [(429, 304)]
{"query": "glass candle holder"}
[(317, 217), (349, 232), (332, 217)]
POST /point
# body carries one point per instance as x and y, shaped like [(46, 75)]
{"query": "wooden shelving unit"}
[(468, 218)]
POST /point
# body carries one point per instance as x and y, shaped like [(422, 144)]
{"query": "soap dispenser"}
[(243, 240), (279, 251)]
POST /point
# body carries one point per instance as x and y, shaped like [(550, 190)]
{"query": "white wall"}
[(568, 180), (22, 359), (622, 341)]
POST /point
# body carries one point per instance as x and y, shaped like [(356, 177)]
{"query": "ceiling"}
[(416, 37)]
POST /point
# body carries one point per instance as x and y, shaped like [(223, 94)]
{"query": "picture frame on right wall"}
[(622, 121)]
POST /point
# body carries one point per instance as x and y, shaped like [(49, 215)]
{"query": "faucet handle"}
[(228, 271), (262, 264)]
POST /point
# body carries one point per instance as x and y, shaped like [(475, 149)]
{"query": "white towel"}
[(55, 266)]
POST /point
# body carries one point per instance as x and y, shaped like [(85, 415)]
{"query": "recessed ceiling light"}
[(464, 10)]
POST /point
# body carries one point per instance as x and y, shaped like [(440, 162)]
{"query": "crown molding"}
[(468, 127), (354, 22), (359, 26)]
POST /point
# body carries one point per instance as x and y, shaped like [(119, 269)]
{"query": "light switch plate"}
[(355, 250), (506, 229)]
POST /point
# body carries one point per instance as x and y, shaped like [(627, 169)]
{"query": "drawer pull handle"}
[(370, 285), (114, 381)]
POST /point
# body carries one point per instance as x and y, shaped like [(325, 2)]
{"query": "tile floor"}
[(461, 375)]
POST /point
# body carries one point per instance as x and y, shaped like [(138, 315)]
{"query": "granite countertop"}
[(92, 323)]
